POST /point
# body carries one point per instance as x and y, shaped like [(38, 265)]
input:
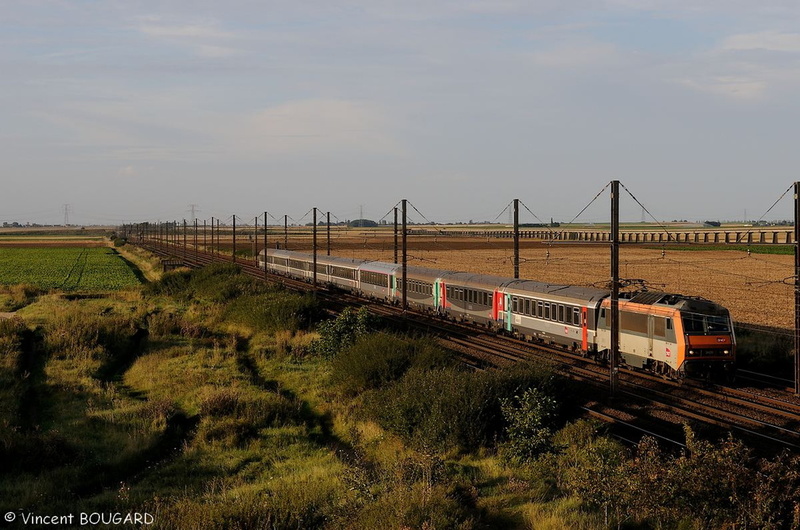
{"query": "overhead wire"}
[(738, 239)]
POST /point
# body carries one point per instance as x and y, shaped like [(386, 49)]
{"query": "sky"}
[(134, 110)]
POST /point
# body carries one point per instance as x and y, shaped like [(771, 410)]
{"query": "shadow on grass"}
[(134, 269)]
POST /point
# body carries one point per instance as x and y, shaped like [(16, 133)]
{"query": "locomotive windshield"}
[(696, 323)]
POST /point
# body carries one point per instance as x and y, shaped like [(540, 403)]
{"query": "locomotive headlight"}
[(691, 352), (726, 352)]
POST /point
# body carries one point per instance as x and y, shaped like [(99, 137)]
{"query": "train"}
[(671, 335)]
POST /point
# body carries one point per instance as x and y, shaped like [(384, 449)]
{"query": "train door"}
[(650, 325), (507, 305), (498, 310), (584, 329)]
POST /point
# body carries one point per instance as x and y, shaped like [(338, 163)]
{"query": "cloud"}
[(192, 31), (315, 126), (746, 66), (765, 40), (205, 38), (732, 86)]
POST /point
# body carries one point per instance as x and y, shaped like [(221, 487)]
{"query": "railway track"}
[(645, 404)]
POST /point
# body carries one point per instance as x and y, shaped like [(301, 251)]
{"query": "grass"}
[(68, 269), (188, 401), (146, 262), (753, 249)]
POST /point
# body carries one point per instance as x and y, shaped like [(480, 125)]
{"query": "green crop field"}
[(69, 269)]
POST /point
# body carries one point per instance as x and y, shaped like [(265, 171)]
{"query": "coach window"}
[(547, 310), (514, 304), (490, 298), (576, 316), (669, 323), (539, 309), (561, 313)]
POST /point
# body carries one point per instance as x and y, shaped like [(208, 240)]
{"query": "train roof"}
[(379, 266), (423, 273), (321, 258), (520, 286), (472, 279), (568, 291), (678, 301)]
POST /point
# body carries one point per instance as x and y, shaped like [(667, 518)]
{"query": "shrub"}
[(530, 418), (379, 358), (162, 324), (342, 331), (447, 408), (273, 311), (218, 282)]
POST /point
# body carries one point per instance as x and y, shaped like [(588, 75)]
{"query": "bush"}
[(342, 331), (218, 282), (273, 311), (379, 358), (449, 408), (530, 418)]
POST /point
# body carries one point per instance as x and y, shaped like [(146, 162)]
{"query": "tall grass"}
[(273, 311)]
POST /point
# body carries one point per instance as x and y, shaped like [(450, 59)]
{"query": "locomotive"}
[(668, 334)]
